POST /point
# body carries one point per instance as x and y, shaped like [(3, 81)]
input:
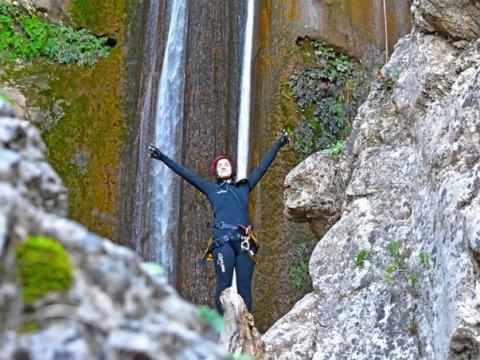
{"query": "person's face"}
[(224, 169)]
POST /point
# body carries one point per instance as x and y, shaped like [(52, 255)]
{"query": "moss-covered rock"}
[(82, 116), (43, 267)]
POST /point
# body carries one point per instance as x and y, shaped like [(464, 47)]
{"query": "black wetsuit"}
[(229, 202)]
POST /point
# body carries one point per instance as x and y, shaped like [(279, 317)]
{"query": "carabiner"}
[(245, 245)]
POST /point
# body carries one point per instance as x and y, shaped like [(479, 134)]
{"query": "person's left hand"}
[(155, 153)]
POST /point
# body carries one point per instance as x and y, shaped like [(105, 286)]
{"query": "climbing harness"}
[(246, 237), (234, 234)]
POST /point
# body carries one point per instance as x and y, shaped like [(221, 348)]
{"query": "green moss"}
[(306, 50), (102, 17), (25, 35), (80, 112), (43, 267), (29, 327), (212, 317)]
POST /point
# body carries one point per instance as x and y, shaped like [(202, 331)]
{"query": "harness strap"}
[(221, 225)]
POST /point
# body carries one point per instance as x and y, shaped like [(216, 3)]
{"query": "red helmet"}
[(217, 159)]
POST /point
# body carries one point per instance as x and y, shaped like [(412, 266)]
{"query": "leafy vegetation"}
[(336, 148), (327, 96), (25, 36), (362, 257), (212, 317), (43, 267), (387, 80), (399, 265), (300, 277), (426, 261), (399, 269), (409, 316)]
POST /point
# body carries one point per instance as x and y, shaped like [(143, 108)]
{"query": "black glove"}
[(284, 139), (155, 153)]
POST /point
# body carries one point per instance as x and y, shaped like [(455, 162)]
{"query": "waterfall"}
[(245, 93), (164, 186), (140, 226)]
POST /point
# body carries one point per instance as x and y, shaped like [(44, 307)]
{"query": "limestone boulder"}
[(115, 308), (314, 190), (457, 19)]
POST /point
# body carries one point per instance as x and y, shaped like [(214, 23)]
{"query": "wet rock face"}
[(410, 211), (209, 128), (115, 308)]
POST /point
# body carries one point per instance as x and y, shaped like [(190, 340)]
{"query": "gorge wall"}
[(84, 112), (397, 275), (352, 27)]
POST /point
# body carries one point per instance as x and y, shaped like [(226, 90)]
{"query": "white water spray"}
[(243, 140), (243, 145), (168, 138)]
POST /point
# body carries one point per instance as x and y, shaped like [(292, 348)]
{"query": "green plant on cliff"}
[(23, 35), (426, 261), (362, 256), (212, 317), (398, 265), (327, 96), (387, 80), (43, 266), (409, 318), (336, 148), (300, 277)]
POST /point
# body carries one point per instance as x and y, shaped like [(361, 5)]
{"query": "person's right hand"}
[(155, 153), (284, 138)]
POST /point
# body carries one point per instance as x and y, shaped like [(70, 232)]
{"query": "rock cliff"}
[(115, 308), (396, 276)]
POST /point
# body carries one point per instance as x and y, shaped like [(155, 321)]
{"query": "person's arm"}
[(262, 168), (179, 169)]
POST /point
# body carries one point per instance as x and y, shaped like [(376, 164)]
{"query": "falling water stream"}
[(164, 185), (243, 143)]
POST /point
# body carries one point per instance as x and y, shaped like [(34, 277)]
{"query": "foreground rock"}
[(114, 309), (239, 335), (397, 276)]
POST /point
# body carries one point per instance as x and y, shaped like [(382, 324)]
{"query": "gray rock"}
[(314, 190), (414, 181), (455, 18), (114, 309), (55, 10)]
